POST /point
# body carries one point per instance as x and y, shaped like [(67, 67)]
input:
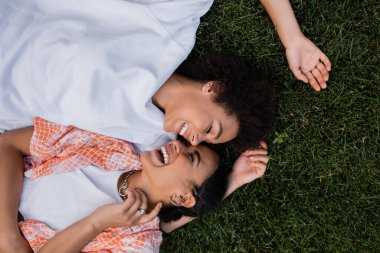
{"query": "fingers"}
[(316, 68), (259, 158), (138, 217), (260, 168), (319, 77), (129, 199), (151, 215), (325, 61), (140, 201), (137, 202), (144, 199), (258, 151), (322, 68), (313, 82), (299, 75), (263, 145)]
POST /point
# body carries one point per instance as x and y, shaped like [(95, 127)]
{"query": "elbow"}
[(166, 227)]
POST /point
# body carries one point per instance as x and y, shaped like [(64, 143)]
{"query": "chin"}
[(144, 158), (167, 128)]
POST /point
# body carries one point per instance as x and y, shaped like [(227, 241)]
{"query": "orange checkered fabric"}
[(142, 238), (58, 149)]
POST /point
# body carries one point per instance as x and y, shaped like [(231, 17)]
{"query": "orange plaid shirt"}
[(58, 149)]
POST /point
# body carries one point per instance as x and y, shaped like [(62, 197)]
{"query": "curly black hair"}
[(242, 92), (208, 195)]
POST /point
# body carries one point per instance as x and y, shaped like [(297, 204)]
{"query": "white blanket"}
[(94, 64)]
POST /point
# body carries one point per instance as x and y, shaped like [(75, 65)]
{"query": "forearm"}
[(283, 18), (171, 226), (11, 169), (232, 186), (73, 238)]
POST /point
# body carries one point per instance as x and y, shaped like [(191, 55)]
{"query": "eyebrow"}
[(198, 155), (220, 131)]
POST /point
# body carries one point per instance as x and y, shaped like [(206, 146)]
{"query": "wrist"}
[(293, 39), (96, 223), (233, 185)]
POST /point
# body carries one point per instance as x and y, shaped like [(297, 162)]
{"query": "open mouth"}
[(162, 155), (184, 129)]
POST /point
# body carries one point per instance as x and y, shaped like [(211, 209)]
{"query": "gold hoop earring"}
[(179, 199)]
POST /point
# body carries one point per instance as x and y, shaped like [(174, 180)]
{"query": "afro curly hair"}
[(242, 91)]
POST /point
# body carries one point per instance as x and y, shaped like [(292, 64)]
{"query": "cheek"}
[(178, 171), (200, 118), (170, 182)]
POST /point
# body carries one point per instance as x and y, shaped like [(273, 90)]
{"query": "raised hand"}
[(131, 212), (249, 166), (308, 63)]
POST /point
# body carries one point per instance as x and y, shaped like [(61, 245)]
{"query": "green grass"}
[(321, 192)]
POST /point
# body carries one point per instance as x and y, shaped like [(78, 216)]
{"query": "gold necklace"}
[(124, 185)]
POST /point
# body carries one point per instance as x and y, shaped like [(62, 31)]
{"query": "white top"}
[(60, 200), (94, 64)]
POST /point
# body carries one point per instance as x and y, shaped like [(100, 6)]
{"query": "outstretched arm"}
[(14, 145), (249, 166), (307, 62)]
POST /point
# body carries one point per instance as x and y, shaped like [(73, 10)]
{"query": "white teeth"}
[(165, 155), (183, 129)]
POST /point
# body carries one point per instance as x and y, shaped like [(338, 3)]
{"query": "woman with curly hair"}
[(235, 86)]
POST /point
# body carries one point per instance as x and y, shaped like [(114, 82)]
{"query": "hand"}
[(125, 214), (14, 244), (250, 165), (308, 63)]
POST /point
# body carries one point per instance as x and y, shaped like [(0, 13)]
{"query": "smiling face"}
[(174, 170), (198, 118)]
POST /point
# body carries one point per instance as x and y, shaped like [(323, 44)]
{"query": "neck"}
[(162, 95), (139, 181), (174, 88)]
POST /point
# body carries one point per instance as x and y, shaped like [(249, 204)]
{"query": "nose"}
[(196, 138), (179, 149), (176, 146)]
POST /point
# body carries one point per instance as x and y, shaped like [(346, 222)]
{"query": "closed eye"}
[(195, 157), (191, 158)]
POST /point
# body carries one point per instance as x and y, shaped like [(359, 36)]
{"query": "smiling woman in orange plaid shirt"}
[(185, 180)]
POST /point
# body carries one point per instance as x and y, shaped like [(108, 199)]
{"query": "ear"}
[(186, 200), (210, 87)]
